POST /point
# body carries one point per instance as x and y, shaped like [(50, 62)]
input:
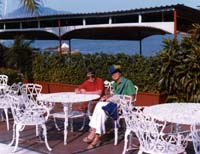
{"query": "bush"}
[(14, 76), (72, 68)]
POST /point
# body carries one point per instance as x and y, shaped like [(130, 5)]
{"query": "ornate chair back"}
[(3, 80), (108, 87), (154, 139), (31, 90), (28, 112), (3, 103), (131, 115), (136, 92), (195, 131)]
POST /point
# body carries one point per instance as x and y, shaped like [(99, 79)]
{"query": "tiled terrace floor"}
[(55, 138)]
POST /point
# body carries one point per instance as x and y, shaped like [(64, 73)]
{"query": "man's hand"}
[(82, 91), (77, 91), (105, 97)]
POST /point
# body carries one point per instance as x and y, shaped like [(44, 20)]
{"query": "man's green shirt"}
[(129, 88)]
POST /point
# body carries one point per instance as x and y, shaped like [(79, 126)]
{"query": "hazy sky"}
[(84, 6)]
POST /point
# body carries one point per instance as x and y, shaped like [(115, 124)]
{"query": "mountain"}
[(43, 11)]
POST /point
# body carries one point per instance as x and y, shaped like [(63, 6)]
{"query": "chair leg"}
[(116, 132), (140, 152), (1, 115), (83, 125), (7, 119), (36, 131), (131, 145), (71, 125), (55, 123), (127, 132), (45, 137), (18, 128), (14, 135)]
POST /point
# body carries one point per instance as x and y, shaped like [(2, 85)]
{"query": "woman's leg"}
[(91, 136), (98, 118), (95, 143)]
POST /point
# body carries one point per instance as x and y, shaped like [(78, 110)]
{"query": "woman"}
[(122, 86)]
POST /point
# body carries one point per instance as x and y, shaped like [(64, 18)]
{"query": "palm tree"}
[(180, 69), (191, 49), (32, 5), (170, 61), (20, 56)]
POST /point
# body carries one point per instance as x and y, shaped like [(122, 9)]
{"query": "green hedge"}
[(14, 76), (72, 68)]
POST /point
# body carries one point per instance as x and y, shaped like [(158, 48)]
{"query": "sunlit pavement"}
[(6, 149)]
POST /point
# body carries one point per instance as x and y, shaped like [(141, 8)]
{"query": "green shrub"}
[(14, 76), (72, 68)]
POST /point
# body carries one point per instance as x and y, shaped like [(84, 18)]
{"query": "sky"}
[(88, 6), (84, 6)]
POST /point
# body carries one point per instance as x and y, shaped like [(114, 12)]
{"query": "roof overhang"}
[(114, 33), (28, 34)]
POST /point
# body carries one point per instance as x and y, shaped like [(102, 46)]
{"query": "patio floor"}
[(29, 144)]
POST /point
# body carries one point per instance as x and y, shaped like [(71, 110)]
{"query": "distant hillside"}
[(43, 11)]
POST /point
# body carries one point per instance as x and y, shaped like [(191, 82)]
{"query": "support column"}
[(175, 24), (60, 39), (70, 49), (84, 22), (139, 18), (140, 47)]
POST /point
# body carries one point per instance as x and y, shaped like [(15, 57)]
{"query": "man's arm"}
[(83, 91)]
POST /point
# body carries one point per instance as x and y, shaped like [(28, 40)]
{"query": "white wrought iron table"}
[(179, 113), (67, 98)]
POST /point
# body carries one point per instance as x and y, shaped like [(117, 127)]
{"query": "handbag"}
[(111, 108)]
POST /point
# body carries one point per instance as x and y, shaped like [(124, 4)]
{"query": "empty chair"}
[(28, 112), (4, 106), (127, 99), (152, 135), (195, 132), (31, 91), (131, 115)]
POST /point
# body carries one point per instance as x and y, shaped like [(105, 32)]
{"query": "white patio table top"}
[(180, 113), (66, 98)]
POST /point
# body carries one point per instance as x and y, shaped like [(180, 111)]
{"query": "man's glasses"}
[(90, 76)]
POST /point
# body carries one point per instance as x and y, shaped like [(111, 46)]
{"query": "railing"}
[(143, 98)]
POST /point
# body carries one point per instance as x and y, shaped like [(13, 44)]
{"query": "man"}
[(93, 85), (122, 86)]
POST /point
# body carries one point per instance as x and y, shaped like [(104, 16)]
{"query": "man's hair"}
[(90, 70)]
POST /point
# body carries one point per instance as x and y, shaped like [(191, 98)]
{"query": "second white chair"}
[(195, 132), (4, 105), (152, 135), (28, 112)]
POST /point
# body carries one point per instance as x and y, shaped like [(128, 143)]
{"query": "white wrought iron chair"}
[(131, 115), (195, 132), (128, 99), (4, 106), (108, 86), (28, 112), (152, 135), (31, 91)]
